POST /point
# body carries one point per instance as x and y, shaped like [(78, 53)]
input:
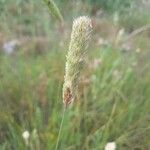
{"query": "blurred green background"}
[(113, 102)]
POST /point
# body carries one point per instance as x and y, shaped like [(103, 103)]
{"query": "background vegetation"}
[(113, 101)]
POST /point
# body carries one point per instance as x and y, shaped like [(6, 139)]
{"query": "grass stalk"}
[(60, 129)]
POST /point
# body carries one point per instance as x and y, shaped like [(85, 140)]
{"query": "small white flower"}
[(9, 46), (25, 134), (121, 32), (110, 146)]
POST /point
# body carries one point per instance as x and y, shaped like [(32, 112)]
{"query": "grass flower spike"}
[(54, 11), (80, 36)]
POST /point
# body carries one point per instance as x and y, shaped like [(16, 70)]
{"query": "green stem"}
[(60, 129)]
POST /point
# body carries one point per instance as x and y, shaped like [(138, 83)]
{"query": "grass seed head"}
[(80, 36)]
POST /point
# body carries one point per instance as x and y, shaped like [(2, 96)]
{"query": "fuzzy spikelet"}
[(80, 36), (54, 9)]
